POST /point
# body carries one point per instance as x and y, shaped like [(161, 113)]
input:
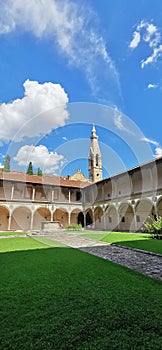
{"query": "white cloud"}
[(49, 162), (1, 166), (150, 34), (135, 41), (158, 152), (157, 52), (146, 139), (73, 27), (64, 138), (42, 108), (152, 86), (118, 122)]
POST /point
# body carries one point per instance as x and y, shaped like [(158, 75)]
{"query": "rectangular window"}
[(138, 218)]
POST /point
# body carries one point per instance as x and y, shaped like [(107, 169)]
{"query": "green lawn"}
[(9, 233), (59, 299), (12, 244), (133, 240)]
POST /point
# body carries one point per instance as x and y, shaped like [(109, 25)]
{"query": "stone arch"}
[(89, 217), (144, 210), (41, 214), (77, 217), (111, 218), (4, 217), (61, 215), (126, 217), (98, 216), (21, 219)]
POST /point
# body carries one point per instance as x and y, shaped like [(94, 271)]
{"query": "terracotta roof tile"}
[(19, 176)]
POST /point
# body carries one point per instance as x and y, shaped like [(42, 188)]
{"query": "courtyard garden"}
[(61, 298), (141, 241)]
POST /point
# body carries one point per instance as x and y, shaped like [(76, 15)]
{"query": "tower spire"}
[(94, 158), (93, 129)]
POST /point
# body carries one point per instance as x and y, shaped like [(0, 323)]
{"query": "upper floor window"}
[(96, 159)]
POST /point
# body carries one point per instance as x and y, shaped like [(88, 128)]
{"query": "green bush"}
[(155, 227), (74, 227)]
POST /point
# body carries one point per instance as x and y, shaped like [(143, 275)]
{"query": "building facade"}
[(123, 202)]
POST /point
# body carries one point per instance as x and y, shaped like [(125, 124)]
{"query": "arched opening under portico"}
[(89, 218), (98, 215), (111, 218), (41, 214), (61, 215), (126, 216), (21, 219), (145, 212), (4, 217)]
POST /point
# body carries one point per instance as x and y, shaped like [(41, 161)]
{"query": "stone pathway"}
[(147, 263), (74, 240)]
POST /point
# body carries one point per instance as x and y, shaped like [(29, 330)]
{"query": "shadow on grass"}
[(151, 245)]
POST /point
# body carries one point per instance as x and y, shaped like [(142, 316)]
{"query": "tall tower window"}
[(96, 159)]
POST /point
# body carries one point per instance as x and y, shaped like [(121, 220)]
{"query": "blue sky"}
[(67, 64)]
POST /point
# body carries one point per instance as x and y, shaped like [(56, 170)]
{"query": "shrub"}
[(155, 227), (74, 227)]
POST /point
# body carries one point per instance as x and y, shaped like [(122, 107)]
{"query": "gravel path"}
[(145, 262)]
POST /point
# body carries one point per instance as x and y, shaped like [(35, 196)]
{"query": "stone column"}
[(69, 218), (118, 218), (12, 192), (93, 218), (155, 209), (9, 222), (52, 195), (84, 214), (135, 219), (51, 216), (69, 196), (32, 218), (104, 220), (33, 194)]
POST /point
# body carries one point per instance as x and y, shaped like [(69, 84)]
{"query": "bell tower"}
[(94, 158)]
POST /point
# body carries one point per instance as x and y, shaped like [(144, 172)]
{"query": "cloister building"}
[(121, 202)]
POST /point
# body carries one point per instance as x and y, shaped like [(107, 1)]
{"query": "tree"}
[(30, 169), (155, 227), (39, 172), (7, 163)]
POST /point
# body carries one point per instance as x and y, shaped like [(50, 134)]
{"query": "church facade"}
[(123, 202)]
